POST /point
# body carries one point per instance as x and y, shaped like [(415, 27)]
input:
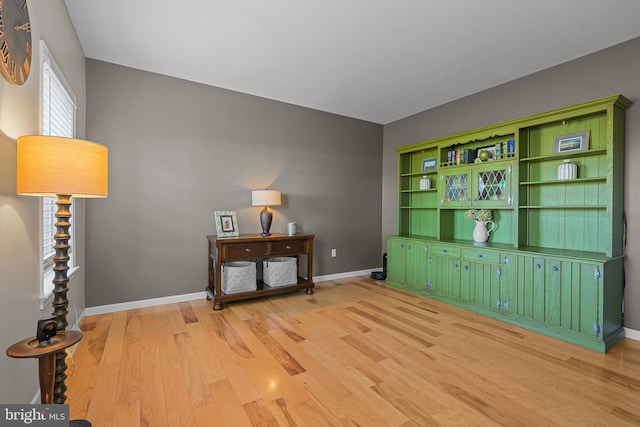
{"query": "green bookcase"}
[(555, 262)]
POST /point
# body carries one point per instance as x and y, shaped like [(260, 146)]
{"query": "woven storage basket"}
[(238, 276), (282, 271)]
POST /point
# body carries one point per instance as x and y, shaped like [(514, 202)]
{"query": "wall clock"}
[(15, 41)]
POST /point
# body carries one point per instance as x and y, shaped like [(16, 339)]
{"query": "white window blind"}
[(58, 119)]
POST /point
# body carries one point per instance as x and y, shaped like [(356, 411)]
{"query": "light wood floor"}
[(356, 353)]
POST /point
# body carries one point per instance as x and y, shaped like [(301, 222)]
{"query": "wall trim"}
[(337, 276), (131, 305), (632, 334)]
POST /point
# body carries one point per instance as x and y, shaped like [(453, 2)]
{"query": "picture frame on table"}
[(226, 223), (578, 141)]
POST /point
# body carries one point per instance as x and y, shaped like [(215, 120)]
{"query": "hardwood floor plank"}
[(112, 345), (129, 415), (188, 315), (356, 353), (390, 325), (192, 371), (231, 410), (177, 397), (276, 351), (208, 416), (259, 414), (231, 337), (103, 400), (208, 362), (131, 367)]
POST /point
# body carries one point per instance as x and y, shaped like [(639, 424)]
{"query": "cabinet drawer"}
[(446, 250), (246, 250), (293, 247), (482, 255)]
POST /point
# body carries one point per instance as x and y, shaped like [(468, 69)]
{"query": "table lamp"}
[(50, 166), (266, 198)]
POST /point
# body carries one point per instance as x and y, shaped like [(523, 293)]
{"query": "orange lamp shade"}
[(50, 165)]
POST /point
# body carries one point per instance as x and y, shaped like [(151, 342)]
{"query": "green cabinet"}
[(531, 271), (406, 262), (555, 261), (444, 269), (482, 272), (396, 260)]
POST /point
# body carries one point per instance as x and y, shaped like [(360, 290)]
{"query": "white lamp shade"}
[(50, 165), (265, 198)]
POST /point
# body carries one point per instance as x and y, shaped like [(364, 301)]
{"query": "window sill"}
[(47, 298)]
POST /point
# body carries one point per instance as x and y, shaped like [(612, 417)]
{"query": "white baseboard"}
[(344, 275), (131, 305), (632, 334)]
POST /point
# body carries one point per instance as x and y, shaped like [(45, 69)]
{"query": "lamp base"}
[(266, 216)]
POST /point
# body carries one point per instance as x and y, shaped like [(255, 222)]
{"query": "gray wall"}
[(181, 150), (611, 71), (19, 215)]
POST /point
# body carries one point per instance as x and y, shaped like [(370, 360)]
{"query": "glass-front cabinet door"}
[(492, 185), (485, 185), (455, 188)]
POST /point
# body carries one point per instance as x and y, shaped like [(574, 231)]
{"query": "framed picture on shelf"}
[(578, 141), (226, 223), (429, 165)]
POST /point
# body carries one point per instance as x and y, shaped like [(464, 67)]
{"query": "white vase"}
[(425, 183), (567, 170), (481, 233)]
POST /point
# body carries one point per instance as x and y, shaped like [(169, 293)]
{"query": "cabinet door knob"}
[(479, 255), (444, 251), (555, 268), (538, 266)]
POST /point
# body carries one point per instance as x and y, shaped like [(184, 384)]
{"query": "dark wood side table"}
[(45, 353), (255, 247)]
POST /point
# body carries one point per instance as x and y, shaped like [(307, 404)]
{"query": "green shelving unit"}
[(554, 263)]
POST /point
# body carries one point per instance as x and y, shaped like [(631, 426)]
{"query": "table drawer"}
[(246, 250), (293, 247), (482, 255), (446, 250)]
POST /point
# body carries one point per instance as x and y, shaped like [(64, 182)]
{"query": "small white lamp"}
[(266, 198)]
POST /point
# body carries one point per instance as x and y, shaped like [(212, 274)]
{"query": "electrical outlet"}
[(334, 253)]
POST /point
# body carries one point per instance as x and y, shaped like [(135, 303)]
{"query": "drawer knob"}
[(479, 255), (288, 247), (444, 251), (247, 250)]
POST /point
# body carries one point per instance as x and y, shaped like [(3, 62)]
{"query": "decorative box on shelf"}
[(238, 276), (280, 271)]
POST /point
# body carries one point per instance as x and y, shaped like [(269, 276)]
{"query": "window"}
[(58, 119)]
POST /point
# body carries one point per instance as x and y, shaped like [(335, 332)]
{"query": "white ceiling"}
[(376, 60)]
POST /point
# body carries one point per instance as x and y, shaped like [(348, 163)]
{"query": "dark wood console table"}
[(255, 247)]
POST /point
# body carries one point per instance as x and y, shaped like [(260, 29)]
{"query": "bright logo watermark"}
[(34, 415)]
